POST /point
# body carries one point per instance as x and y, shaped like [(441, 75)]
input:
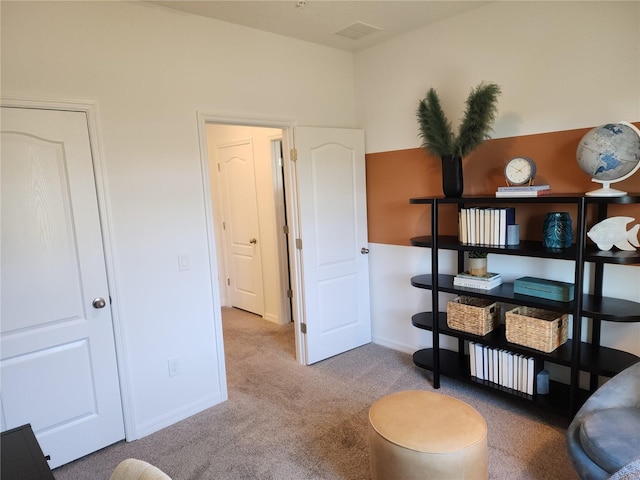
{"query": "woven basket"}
[(473, 315), (536, 328)]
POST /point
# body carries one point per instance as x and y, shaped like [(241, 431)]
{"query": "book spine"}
[(478, 284), (524, 188)]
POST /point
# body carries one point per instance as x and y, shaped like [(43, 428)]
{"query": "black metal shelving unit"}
[(579, 356)]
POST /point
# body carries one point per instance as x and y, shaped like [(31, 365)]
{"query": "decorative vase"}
[(478, 266), (452, 181), (557, 230)]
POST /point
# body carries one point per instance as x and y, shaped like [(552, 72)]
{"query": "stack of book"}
[(502, 367), (485, 225), (523, 191), (484, 282)]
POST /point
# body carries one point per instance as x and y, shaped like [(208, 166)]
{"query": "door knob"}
[(364, 251), (253, 240), (99, 303)]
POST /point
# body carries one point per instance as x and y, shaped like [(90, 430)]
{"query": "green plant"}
[(474, 254), (435, 129)]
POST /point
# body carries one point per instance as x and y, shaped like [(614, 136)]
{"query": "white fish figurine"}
[(613, 231)]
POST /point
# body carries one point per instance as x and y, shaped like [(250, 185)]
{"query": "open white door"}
[(58, 369), (239, 196), (333, 226)]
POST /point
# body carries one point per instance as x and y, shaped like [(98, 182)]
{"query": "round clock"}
[(520, 171)]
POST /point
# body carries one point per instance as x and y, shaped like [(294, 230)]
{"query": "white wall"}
[(268, 226), (561, 65), (150, 70)]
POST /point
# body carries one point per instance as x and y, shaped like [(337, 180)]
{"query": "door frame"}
[(90, 109), (292, 210)]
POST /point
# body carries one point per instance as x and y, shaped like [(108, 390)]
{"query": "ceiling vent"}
[(357, 30)]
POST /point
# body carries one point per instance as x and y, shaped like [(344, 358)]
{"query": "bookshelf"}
[(575, 354)]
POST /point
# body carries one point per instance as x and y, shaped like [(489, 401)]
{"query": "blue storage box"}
[(540, 287)]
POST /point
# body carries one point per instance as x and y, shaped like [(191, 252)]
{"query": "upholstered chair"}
[(603, 439)]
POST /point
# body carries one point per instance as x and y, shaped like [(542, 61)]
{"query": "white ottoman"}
[(418, 434)]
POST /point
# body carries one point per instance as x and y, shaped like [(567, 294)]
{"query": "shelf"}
[(544, 199), (456, 366), (593, 359), (604, 308), (532, 248), (525, 248)]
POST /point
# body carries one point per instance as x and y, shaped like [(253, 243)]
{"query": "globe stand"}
[(606, 190)]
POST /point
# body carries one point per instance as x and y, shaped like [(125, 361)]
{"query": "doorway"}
[(247, 183)]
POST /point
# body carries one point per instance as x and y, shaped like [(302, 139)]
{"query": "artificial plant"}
[(435, 129)]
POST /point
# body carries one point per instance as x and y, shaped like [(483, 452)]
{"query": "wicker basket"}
[(536, 328), (473, 315)]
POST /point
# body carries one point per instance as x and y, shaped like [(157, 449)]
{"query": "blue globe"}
[(609, 153)]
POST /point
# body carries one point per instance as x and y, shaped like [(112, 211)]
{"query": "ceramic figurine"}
[(613, 231)]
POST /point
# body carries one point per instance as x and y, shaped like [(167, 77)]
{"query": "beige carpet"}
[(285, 421)]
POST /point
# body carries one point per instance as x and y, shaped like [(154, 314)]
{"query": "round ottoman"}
[(419, 434)]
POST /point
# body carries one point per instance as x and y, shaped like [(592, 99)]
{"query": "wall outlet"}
[(174, 367)]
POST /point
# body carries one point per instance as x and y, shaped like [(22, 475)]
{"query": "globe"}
[(609, 153)]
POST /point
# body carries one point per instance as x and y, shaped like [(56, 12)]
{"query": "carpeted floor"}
[(285, 421)]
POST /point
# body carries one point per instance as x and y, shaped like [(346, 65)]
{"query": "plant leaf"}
[(435, 129), (479, 115)]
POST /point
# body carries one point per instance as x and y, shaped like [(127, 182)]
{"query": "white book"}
[(532, 193), (523, 374), (479, 361), (503, 368), (510, 370), (478, 284), (524, 188), (472, 359), (487, 226), (503, 227), (496, 227), (530, 375), (496, 366), (472, 225), (463, 226), (485, 362)]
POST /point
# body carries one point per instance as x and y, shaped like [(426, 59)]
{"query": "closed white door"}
[(58, 364), (333, 223), (242, 242)]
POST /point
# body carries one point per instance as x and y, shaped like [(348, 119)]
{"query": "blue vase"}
[(557, 230)]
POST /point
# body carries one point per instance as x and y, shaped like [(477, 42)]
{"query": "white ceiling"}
[(318, 21)]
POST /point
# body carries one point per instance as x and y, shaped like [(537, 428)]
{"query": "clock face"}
[(520, 170)]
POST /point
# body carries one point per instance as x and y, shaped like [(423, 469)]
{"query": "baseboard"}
[(175, 416), (400, 347)]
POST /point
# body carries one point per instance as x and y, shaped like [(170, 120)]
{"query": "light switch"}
[(184, 262)]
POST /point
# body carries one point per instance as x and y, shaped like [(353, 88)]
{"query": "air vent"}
[(357, 30)]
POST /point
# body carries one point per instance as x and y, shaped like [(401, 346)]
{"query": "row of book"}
[(484, 282), (502, 367), (523, 191), (485, 225)]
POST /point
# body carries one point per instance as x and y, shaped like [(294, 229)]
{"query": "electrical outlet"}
[(174, 367)]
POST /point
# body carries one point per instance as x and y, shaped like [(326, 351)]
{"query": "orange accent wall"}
[(394, 177)]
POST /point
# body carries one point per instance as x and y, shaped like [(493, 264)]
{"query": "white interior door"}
[(237, 170), (333, 223), (58, 364)]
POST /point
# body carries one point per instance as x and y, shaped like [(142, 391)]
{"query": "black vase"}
[(452, 181)]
